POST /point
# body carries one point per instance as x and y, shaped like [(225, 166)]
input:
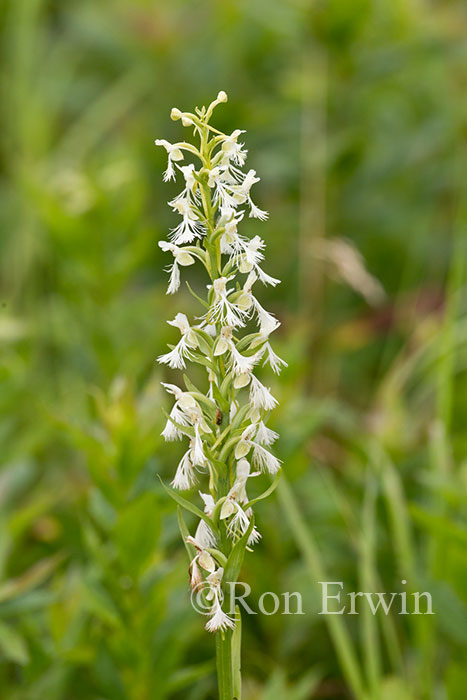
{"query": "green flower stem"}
[(224, 664), (228, 689), (236, 655)]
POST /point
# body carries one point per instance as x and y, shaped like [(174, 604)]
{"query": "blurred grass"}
[(356, 120)]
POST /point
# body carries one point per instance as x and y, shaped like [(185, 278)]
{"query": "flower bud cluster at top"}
[(228, 438)]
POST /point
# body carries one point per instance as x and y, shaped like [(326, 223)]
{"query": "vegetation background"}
[(356, 118)]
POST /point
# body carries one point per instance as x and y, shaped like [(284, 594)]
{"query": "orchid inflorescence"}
[(228, 436)]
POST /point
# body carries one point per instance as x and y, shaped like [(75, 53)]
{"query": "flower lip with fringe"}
[(225, 425)]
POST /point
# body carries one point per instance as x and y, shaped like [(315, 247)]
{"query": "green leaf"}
[(201, 301), (202, 360), (225, 386), (136, 532), (189, 676), (253, 340), (189, 384), (187, 505), (266, 493), (12, 645), (239, 417), (185, 533), (394, 687), (438, 525), (98, 601), (31, 578), (210, 405), (221, 398), (235, 560)]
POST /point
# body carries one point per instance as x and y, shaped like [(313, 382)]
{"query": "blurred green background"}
[(356, 120)]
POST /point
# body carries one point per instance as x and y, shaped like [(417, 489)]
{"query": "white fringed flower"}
[(267, 322), (231, 508), (222, 183), (243, 192), (181, 257), (189, 406), (190, 227), (232, 150), (183, 350), (265, 436), (275, 362), (265, 278), (185, 477), (224, 311), (184, 398), (239, 525), (204, 533), (219, 619), (175, 154), (242, 364), (260, 396), (265, 460), (203, 558), (191, 192), (262, 458), (197, 450), (171, 432)]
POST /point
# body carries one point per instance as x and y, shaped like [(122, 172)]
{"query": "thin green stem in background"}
[(340, 636)]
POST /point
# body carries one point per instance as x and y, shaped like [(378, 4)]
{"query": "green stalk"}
[(236, 655), (228, 669), (338, 631), (224, 664)]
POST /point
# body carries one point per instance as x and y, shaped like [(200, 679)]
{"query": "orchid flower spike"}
[(224, 422)]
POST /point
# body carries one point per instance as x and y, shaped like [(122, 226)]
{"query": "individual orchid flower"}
[(219, 619), (184, 349), (175, 154), (262, 458), (232, 150), (203, 559), (204, 533), (223, 310), (181, 257), (190, 227), (232, 507)]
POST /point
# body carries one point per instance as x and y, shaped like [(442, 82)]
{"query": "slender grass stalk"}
[(370, 634), (227, 434), (340, 636), (358, 539)]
